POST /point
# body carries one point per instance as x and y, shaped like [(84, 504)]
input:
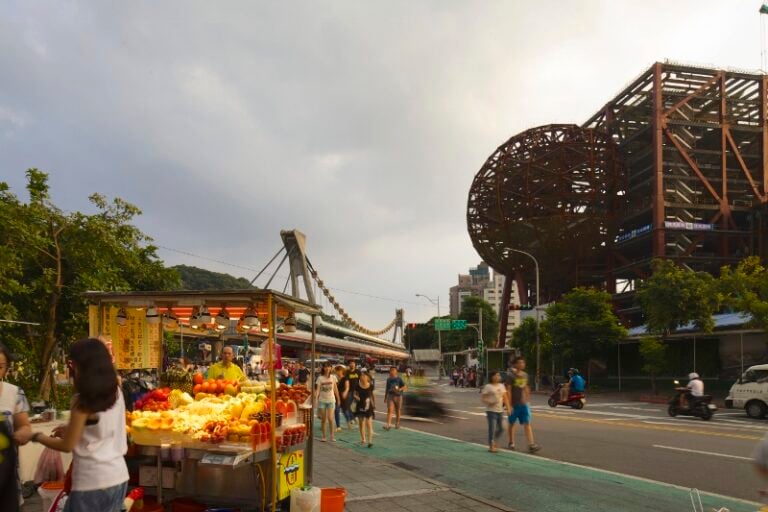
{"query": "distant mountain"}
[(194, 278)]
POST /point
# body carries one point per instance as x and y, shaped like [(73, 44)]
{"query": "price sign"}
[(135, 344)]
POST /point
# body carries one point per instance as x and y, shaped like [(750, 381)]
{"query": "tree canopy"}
[(745, 288), (582, 325), (49, 257), (195, 278), (674, 296)]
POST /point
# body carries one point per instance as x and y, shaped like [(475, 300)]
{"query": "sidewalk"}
[(373, 484)]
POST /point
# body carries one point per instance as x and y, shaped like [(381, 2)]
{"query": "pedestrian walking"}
[(393, 397), (494, 396), (95, 433), (519, 396), (348, 391), (326, 397), (365, 405), (341, 377), (15, 431)]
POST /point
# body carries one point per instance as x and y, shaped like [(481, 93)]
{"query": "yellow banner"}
[(291, 473), (135, 344)]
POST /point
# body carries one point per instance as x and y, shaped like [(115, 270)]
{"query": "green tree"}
[(745, 288), (524, 339), (582, 325), (655, 358), (50, 257), (674, 296)]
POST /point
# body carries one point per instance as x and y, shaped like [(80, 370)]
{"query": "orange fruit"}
[(198, 378)]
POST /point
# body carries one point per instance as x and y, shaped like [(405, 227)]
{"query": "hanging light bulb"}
[(170, 320), (222, 319), (204, 316), (194, 320), (290, 323), (152, 317), (122, 317), (251, 319)]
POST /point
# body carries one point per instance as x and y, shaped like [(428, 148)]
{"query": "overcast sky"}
[(360, 123)]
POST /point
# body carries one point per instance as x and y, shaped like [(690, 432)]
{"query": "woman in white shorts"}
[(326, 397)]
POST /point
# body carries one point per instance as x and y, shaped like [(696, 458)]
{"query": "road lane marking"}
[(504, 453), (416, 418), (454, 417), (713, 425), (594, 413), (646, 426), (714, 454)]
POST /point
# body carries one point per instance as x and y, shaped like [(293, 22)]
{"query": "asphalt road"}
[(632, 438)]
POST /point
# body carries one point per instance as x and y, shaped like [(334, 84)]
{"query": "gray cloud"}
[(360, 123)]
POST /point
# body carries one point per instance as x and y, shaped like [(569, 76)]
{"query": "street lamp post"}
[(439, 334), (538, 342)]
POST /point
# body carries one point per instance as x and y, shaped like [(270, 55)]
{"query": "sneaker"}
[(511, 446), (534, 448)]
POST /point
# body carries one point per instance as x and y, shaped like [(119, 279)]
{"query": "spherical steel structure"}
[(555, 191)]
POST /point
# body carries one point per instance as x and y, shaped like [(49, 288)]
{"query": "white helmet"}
[(693, 375)]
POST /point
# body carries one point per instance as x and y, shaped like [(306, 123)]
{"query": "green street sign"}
[(442, 324), (458, 325)]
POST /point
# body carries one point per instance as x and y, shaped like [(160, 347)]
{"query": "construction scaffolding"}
[(681, 173)]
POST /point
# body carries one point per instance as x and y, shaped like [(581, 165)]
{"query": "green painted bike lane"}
[(529, 483)]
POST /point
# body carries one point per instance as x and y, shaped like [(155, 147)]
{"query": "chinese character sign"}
[(135, 344)]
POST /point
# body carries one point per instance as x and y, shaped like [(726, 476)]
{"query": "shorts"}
[(326, 405), (397, 400), (105, 500), (521, 413)]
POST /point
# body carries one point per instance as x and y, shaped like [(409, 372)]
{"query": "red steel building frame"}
[(694, 144)]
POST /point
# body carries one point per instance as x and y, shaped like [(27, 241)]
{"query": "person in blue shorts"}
[(519, 396)]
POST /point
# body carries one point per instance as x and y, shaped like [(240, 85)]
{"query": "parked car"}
[(750, 392)]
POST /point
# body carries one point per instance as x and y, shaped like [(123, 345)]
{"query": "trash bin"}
[(333, 499), (48, 492)]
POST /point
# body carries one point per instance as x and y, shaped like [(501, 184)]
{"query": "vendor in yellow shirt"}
[(226, 369)]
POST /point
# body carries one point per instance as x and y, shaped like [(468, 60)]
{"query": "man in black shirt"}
[(303, 374), (348, 390)]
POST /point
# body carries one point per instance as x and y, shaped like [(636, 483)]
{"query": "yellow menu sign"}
[(135, 344)]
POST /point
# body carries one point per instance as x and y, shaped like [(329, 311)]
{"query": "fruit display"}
[(297, 393), (244, 417), (215, 386), (254, 386), (155, 400), (177, 378)]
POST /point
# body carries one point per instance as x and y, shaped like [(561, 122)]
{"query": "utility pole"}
[(439, 335)]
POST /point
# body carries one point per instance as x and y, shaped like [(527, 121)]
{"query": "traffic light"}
[(411, 326), (526, 307)]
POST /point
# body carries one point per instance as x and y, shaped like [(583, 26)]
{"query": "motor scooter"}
[(574, 400), (698, 406)]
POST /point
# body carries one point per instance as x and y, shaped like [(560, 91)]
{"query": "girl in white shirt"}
[(95, 433), (326, 397), (494, 396)]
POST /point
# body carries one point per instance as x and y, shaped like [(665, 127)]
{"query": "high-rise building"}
[(492, 294), (478, 283)]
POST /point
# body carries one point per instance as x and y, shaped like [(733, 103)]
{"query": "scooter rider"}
[(575, 384), (694, 389)]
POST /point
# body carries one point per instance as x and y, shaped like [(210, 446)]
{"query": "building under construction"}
[(693, 184)]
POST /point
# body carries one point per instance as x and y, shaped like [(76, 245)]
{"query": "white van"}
[(751, 392)]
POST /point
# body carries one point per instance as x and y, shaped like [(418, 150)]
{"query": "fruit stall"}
[(216, 442)]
